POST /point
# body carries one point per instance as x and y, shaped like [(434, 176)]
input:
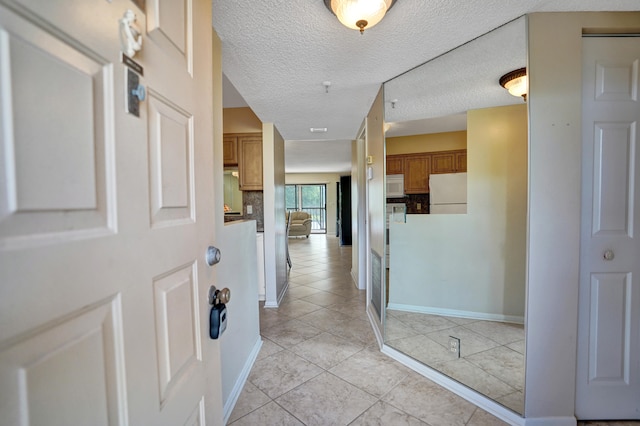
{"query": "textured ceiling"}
[(278, 53), (451, 84)]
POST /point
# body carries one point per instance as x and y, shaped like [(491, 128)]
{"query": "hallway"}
[(320, 363)]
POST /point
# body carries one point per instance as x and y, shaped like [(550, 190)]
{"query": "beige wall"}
[(427, 143), (375, 149), (376, 201), (275, 238), (240, 120), (358, 210), (237, 243), (330, 179), (472, 264)]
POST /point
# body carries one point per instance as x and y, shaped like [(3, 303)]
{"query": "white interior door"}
[(608, 372), (105, 217)]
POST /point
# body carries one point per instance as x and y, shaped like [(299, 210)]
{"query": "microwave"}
[(395, 186)]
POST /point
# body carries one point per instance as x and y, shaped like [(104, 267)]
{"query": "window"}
[(312, 199)]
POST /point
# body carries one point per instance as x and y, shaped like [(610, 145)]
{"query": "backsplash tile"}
[(255, 199), (412, 201)]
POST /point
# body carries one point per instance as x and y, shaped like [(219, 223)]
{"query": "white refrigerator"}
[(448, 193)]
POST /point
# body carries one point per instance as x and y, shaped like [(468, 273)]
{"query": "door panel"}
[(169, 24), (40, 201), (608, 372), (170, 163), (89, 343), (177, 327), (197, 415), (610, 322), (104, 218), (613, 178)]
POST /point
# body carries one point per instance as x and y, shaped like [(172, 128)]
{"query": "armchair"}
[(300, 224)]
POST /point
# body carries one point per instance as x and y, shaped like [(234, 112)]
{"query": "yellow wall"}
[(427, 143), (240, 120), (475, 262)]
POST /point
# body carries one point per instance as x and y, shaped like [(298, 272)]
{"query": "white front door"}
[(105, 217), (608, 371)]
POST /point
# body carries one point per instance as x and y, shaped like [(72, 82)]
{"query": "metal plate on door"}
[(135, 93)]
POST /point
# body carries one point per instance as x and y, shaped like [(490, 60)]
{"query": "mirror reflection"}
[(456, 282), (232, 193)]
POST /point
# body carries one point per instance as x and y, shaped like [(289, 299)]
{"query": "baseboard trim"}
[(230, 404), (372, 314), (474, 397), (270, 304), (284, 292), (551, 421), (456, 313)]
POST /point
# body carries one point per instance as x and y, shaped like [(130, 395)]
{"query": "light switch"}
[(249, 209)]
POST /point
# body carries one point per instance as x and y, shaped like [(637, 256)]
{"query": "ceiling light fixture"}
[(318, 130), (515, 82), (359, 14)]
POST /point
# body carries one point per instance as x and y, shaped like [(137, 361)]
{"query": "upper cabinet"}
[(230, 150), (417, 167), (461, 161), (248, 153), (449, 161), (250, 162), (395, 165)]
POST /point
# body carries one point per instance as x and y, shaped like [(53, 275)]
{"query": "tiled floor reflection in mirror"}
[(320, 365), (491, 353)]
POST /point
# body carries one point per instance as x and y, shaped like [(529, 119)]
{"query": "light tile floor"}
[(491, 353), (320, 364)]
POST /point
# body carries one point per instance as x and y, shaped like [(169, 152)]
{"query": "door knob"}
[(139, 92), (608, 255), (219, 296), (224, 296)]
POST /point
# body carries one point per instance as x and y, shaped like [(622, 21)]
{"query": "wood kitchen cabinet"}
[(449, 161), (245, 151), (250, 162), (417, 168), (395, 164), (230, 150), (443, 162), (461, 161)]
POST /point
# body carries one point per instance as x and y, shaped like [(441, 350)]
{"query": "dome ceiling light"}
[(359, 14), (515, 82)]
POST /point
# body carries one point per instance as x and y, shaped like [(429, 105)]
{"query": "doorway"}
[(310, 198)]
